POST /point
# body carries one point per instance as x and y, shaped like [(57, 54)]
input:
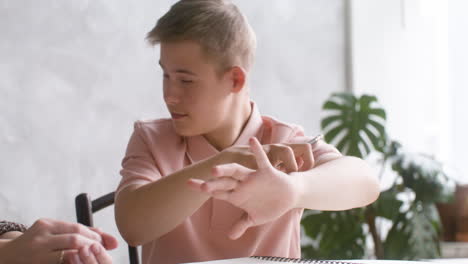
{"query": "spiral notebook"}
[(271, 260)]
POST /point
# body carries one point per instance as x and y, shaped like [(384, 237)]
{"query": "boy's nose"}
[(171, 98)]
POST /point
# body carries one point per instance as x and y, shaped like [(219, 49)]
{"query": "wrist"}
[(203, 169), (298, 188)]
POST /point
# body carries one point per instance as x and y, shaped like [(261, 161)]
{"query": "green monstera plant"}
[(356, 126)]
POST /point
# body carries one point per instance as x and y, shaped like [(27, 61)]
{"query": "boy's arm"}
[(146, 212), (338, 184), (266, 193)]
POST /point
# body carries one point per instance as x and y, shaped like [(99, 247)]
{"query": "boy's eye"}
[(186, 81), (165, 76)]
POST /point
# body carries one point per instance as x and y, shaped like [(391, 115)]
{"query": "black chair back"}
[(85, 207)]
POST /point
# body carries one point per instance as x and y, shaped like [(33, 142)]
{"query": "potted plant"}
[(356, 126)]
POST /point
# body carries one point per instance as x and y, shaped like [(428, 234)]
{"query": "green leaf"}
[(388, 206), (330, 119), (425, 176), (414, 234), (340, 234), (350, 117)]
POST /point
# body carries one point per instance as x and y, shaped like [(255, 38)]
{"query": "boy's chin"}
[(185, 132)]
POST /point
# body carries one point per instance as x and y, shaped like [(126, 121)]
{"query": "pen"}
[(315, 139)]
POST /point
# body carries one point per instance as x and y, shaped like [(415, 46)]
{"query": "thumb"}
[(108, 241), (239, 228)]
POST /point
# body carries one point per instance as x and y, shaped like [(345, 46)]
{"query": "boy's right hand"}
[(288, 157)]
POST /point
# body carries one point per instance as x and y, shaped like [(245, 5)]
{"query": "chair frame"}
[(85, 207)]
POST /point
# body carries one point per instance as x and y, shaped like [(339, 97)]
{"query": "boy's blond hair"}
[(216, 25)]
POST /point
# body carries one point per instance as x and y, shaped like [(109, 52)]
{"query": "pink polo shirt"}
[(156, 150)]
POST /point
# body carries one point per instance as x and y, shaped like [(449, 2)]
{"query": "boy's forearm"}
[(145, 213), (340, 184)]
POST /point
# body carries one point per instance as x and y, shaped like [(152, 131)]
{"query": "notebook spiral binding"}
[(296, 260)]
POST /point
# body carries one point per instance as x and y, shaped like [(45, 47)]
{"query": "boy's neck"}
[(226, 136)]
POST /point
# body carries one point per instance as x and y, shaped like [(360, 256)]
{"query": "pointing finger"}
[(260, 155)]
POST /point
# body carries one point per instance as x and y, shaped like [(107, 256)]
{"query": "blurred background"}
[(76, 74)]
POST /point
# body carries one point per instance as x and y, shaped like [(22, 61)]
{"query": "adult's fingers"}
[(60, 227), (75, 258), (109, 241), (260, 155), (95, 254), (86, 256), (239, 228), (68, 241), (68, 256), (233, 170), (56, 256), (100, 254)]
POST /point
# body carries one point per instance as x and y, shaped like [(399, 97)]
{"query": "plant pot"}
[(461, 200), (454, 216), (447, 213)]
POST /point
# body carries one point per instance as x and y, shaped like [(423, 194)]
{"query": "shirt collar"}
[(198, 148)]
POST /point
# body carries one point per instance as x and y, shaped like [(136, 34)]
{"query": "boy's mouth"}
[(176, 116)]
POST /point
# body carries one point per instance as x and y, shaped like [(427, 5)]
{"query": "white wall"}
[(458, 81), (74, 75), (412, 54), (400, 53)]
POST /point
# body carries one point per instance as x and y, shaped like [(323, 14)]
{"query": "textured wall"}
[(75, 74)]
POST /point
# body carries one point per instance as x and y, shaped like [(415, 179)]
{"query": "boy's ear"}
[(237, 76)]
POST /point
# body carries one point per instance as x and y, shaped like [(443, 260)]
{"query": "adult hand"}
[(264, 194), (96, 253), (51, 241)]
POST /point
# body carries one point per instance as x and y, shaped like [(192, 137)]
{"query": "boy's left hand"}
[(264, 194)]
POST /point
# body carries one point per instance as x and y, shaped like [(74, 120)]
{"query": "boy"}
[(218, 180)]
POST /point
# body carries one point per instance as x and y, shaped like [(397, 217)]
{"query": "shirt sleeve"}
[(6, 227), (138, 165)]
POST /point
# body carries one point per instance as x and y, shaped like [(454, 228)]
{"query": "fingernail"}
[(96, 248)]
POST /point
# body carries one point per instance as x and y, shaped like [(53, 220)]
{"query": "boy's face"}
[(198, 99)]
